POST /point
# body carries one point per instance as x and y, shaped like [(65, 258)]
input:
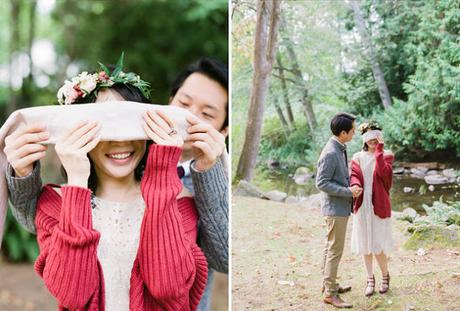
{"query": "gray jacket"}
[(333, 180)]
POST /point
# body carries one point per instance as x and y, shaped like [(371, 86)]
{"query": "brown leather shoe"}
[(337, 302), (340, 290)]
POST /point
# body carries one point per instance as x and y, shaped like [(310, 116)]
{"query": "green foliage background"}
[(417, 45)]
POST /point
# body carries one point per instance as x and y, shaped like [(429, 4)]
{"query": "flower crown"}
[(86, 84), (371, 125)]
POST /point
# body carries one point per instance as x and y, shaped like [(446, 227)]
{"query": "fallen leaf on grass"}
[(282, 282), (421, 252), (438, 284), (453, 253)]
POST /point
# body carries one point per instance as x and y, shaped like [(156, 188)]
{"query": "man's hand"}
[(356, 191), (23, 148), (208, 144)]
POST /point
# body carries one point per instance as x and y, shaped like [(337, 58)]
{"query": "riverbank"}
[(276, 263)]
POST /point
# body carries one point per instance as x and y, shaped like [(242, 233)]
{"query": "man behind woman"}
[(203, 89)]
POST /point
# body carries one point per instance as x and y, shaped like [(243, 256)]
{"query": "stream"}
[(282, 180)]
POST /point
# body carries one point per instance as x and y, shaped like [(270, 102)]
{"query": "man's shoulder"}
[(328, 151)]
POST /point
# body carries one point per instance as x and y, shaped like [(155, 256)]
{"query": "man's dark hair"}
[(342, 122), (211, 68)]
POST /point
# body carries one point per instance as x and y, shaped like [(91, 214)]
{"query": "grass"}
[(276, 264)]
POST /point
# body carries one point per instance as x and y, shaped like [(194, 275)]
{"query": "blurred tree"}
[(159, 37), (372, 55), (265, 47)]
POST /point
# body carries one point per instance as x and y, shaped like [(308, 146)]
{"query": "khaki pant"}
[(335, 242)]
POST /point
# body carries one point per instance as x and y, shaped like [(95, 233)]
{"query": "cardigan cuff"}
[(210, 185), (26, 186)]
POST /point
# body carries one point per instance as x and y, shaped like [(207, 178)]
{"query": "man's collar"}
[(341, 145)]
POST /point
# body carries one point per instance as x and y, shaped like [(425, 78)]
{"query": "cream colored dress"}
[(119, 225), (370, 234)]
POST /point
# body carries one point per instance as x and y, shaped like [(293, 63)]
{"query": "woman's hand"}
[(161, 129), (380, 140), (72, 149), (23, 148)]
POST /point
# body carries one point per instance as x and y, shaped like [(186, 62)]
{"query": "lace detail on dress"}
[(119, 225), (370, 234)]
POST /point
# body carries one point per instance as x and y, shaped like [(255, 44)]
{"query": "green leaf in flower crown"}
[(119, 65), (104, 67)]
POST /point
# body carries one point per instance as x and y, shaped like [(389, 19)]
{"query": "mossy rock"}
[(427, 236)]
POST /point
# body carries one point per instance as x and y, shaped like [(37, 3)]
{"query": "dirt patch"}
[(276, 264), (21, 289)]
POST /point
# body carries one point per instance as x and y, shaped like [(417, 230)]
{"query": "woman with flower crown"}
[(371, 169), (121, 234)]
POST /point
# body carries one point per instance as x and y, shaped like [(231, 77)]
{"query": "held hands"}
[(356, 191), (23, 148), (161, 129), (208, 144), (72, 149)]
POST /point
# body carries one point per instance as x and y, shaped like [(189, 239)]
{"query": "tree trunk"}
[(27, 87), (283, 121), (265, 46), (13, 47), (308, 110), (290, 115), (371, 54), (287, 42)]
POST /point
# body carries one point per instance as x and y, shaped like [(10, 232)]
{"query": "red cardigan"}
[(382, 180), (170, 270)]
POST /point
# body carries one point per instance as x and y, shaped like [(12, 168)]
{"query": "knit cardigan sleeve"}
[(211, 197), (172, 267), (68, 262), (23, 194), (384, 166)]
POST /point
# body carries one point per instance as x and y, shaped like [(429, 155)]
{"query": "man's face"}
[(205, 98), (348, 136)]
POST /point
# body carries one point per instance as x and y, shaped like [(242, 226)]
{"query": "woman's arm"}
[(356, 174), (211, 197), (384, 166), (171, 265), (68, 243)]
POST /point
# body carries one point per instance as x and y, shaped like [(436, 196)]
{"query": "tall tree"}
[(282, 118), (371, 54), (265, 47), (306, 102), (15, 6), (287, 103)]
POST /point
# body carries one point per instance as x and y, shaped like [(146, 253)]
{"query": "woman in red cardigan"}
[(121, 234), (371, 169)]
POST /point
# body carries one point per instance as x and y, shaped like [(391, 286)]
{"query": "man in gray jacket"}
[(202, 88), (333, 180)]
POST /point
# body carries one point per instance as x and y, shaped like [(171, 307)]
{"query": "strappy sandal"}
[(385, 284), (369, 291)]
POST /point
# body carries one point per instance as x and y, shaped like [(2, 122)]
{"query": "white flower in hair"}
[(87, 82), (64, 92)]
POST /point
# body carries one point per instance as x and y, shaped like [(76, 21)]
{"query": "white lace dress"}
[(370, 234), (119, 225)]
